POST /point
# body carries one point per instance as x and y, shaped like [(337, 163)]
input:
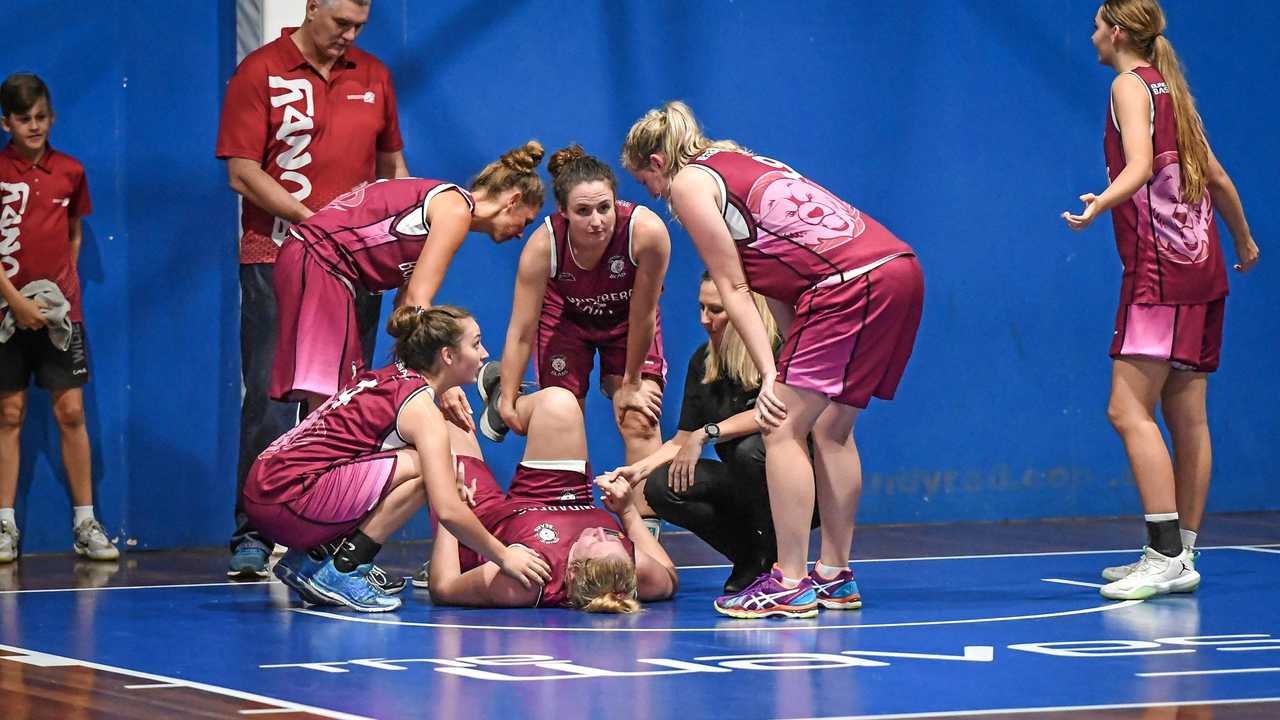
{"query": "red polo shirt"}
[(37, 202), (318, 138)]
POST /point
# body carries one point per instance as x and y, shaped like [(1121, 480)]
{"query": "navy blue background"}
[(965, 127)]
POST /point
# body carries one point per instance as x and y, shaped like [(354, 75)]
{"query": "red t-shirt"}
[(37, 202), (318, 138)]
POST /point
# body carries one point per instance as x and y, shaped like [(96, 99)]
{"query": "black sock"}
[(359, 549), (1164, 537)]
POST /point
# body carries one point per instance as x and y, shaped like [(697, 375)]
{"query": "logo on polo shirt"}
[(295, 131), (367, 97), (13, 203)]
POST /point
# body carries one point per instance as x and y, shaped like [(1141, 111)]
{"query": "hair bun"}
[(525, 158), (564, 156), (403, 321)]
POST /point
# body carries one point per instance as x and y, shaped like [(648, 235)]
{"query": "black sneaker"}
[(422, 578), (488, 382), (388, 584)]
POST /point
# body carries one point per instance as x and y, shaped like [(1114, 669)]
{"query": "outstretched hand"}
[(1090, 213), (615, 491)]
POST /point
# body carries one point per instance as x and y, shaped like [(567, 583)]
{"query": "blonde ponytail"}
[(673, 132)]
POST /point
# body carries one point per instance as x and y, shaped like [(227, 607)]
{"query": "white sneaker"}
[(8, 541), (92, 542), (1155, 574), (1119, 572)]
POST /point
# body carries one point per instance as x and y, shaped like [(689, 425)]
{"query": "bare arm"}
[(655, 573), (449, 217), (253, 183), (693, 197), (483, 586), (422, 425), (526, 306), (391, 165), (1132, 103), (651, 246), (1227, 201)]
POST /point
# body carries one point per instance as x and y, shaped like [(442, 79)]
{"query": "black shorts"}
[(30, 353)]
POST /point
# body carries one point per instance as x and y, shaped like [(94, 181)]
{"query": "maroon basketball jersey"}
[(373, 235), (1169, 248), (791, 233), (550, 530), (599, 296), (357, 422)]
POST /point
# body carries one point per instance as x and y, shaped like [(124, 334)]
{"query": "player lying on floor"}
[(600, 561)]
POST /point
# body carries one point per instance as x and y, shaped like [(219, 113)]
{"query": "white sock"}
[(82, 513), (828, 572), (7, 514), (789, 583), (1188, 537)]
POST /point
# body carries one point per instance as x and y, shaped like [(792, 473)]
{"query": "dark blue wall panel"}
[(966, 127)]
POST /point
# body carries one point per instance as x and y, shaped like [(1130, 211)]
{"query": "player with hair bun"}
[(388, 234), (588, 283), (363, 462)]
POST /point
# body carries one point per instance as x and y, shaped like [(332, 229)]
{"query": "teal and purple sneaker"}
[(837, 593), (351, 589), (767, 597), (295, 569)]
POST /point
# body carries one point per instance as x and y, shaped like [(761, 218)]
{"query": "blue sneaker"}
[(767, 597), (294, 570), (248, 562), (837, 593), (352, 589)]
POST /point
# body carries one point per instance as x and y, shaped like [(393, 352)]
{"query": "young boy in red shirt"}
[(43, 195)]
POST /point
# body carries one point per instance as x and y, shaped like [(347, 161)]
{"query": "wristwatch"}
[(712, 431)]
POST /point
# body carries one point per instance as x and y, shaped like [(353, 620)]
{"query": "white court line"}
[(150, 686), (48, 659), (1061, 708), (138, 587), (1081, 583), (1258, 548), (1183, 673), (736, 627), (266, 711)]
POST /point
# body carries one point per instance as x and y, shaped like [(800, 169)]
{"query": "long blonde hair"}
[(731, 360), (673, 132), (1143, 21), (603, 585)]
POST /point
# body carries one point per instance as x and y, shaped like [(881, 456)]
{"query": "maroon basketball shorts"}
[(318, 343), (565, 354), (536, 483), (1187, 336), (334, 503), (851, 340)]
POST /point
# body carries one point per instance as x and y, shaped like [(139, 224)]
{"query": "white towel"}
[(55, 311)]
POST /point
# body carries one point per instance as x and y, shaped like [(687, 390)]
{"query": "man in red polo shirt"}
[(43, 195), (306, 118)]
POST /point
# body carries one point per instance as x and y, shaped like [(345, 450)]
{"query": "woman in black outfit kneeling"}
[(724, 502)]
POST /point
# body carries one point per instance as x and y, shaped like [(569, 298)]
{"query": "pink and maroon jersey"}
[(318, 137), (791, 233), (550, 530), (37, 202), (1169, 248), (599, 296), (357, 422), (373, 235)]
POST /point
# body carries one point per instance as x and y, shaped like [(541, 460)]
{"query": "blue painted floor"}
[(936, 635)]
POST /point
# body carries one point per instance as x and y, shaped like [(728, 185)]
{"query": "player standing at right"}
[(1165, 184)]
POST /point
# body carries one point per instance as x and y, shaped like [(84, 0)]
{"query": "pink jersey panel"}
[(1169, 248), (791, 233), (374, 234), (357, 422)]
